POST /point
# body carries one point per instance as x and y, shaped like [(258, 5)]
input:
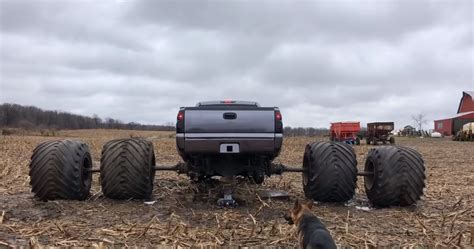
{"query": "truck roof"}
[(227, 102)]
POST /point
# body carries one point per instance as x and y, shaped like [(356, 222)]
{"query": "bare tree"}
[(304, 131), (170, 126), (420, 120), (97, 120)]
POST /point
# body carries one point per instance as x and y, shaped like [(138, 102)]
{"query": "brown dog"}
[(311, 231)]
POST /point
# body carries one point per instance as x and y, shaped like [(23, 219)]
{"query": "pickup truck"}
[(229, 138)]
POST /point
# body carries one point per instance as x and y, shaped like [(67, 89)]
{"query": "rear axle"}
[(278, 169)]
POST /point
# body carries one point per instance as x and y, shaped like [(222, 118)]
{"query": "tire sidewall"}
[(307, 171), (85, 174), (84, 178), (151, 168), (371, 165)]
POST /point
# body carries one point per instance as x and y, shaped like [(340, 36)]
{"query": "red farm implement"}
[(345, 132)]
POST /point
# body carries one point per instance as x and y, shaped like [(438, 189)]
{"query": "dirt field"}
[(184, 216)]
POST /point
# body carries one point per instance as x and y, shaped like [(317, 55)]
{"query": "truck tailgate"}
[(230, 121)]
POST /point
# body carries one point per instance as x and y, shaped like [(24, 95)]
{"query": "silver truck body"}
[(252, 128), (229, 137)]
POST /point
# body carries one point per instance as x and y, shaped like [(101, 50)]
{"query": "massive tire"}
[(398, 179), (330, 172), (127, 169), (59, 170)]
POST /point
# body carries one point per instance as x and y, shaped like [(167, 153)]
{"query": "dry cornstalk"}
[(217, 221), (347, 221), (2, 216), (472, 235), (149, 225), (263, 203), (6, 244)]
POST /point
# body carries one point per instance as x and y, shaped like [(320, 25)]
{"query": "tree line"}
[(31, 117), (305, 131)]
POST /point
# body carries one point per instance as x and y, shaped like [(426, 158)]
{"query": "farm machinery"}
[(380, 132), (466, 133), (62, 169), (345, 132)]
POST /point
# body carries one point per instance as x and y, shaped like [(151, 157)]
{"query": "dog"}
[(311, 231)]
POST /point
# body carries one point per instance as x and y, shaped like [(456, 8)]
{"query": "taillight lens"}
[(278, 122), (278, 115), (180, 122), (180, 116)]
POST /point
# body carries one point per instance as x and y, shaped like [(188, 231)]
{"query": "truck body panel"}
[(237, 121), (212, 134)]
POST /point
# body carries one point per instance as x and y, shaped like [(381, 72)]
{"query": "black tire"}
[(330, 172), (367, 141), (127, 169), (398, 179), (59, 170), (258, 178), (392, 140)]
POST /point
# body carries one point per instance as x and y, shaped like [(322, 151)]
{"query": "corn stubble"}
[(184, 214)]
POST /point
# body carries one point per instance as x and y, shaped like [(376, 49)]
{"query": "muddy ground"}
[(184, 215)]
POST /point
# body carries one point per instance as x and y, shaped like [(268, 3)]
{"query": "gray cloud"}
[(293, 19), (320, 61)]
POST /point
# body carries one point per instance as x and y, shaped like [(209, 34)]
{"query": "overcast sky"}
[(319, 61)]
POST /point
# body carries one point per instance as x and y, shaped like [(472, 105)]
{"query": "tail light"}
[(180, 122), (278, 115), (278, 122), (180, 116)]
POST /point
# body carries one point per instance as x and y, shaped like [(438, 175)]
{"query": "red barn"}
[(465, 115), (467, 102)]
